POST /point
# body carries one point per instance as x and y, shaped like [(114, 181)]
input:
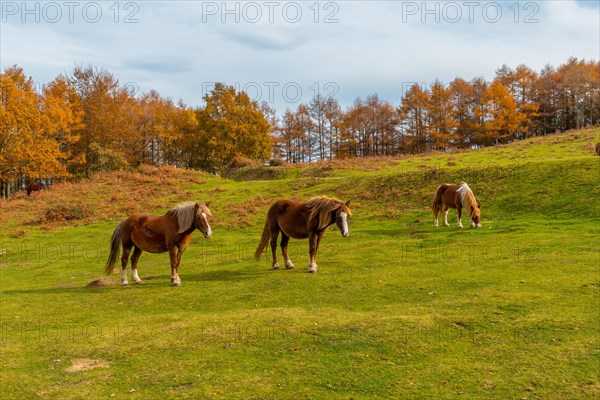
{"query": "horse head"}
[(202, 220), (341, 218), (475, 216)]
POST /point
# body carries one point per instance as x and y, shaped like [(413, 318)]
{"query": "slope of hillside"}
[(399, 309)]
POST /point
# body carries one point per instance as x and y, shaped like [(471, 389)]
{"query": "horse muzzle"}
[(345, 234), (207, 234)]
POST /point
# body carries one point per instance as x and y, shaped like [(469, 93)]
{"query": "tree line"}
[(518, 103), (85, 122)]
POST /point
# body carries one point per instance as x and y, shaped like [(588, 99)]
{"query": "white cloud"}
[(176, 48)]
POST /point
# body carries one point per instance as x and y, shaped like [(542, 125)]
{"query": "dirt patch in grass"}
[(84, 364), (182, 386), (102, 282)]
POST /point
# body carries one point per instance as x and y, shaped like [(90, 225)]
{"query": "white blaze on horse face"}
[(344, 218), (208, 232)]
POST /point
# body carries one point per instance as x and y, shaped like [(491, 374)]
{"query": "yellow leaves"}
[(233, 125), (503, 120), (26, 145)]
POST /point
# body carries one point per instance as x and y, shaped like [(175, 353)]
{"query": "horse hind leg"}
[(137, 252), (284, 251), (124, 257), (274, 235), (438, 211), (313, 245), (446, 210)]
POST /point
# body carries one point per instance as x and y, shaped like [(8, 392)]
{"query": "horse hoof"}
[(312, 271), (175, 283), (138, 282), (125, 284), (289, 265), (276, 266)]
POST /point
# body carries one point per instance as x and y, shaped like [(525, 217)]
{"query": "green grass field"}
[(399, 309)]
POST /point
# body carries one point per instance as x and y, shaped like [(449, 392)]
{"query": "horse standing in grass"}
[(171, 232), (34, 187), (456, 196), (300, 221)]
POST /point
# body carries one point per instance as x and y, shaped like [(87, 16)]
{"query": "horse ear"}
[(348, 203), (207, 204), (472, 208), (196, 206)]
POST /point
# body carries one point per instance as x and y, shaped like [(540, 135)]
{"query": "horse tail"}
[(115, 246), (264, 240), (436, 207)]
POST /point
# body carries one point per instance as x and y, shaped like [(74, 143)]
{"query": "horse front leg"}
[(175, 257), (313, 244), (459, 224)]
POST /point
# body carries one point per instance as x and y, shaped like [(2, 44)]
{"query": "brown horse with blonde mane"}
[(300, 221), (458, 196), (171, 232)]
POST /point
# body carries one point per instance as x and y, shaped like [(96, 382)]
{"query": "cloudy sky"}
[(284, 52)]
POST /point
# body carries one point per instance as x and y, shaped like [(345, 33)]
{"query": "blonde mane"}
[(467, 198), (322, 207), (186, 214)]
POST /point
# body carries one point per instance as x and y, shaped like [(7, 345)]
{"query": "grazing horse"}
[(34, 187), (300, 221), (598, 149), (456, 196), (171, 232)]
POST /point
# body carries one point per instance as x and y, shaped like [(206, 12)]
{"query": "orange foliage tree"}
[(28, 149)]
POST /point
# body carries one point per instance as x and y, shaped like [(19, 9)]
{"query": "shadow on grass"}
[(224, 275), (148, 282)]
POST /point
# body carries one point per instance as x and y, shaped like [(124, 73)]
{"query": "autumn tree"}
[(333, 125), (522, 85), (110, 138), (414, 116), (578, 92), (230, 124), (290, 137), (27, 148), (441, 117), (502, 120), (463, 101), (64, 110)]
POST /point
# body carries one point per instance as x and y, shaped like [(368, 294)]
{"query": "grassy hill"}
[(399, 309)]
